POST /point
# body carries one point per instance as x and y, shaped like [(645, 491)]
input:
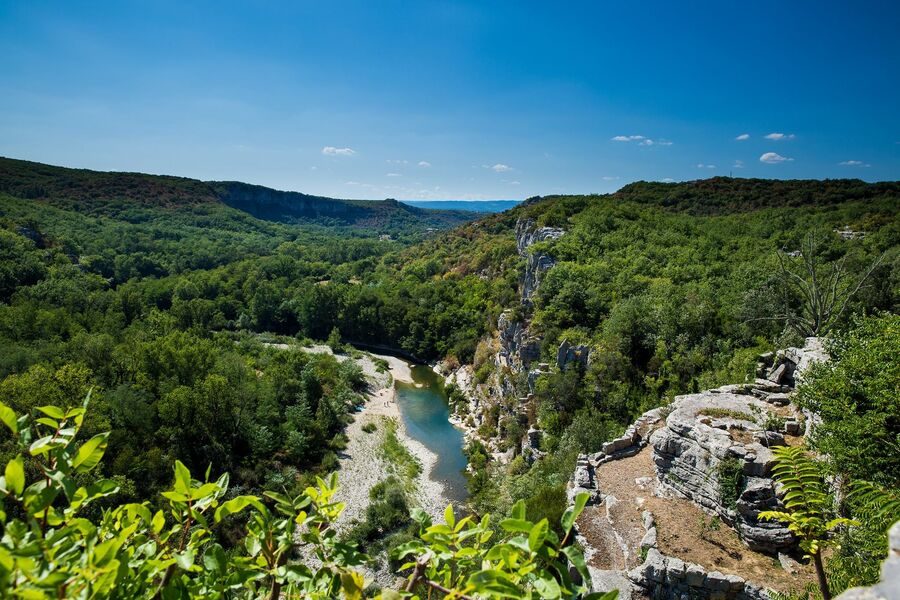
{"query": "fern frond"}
[(875, 503)]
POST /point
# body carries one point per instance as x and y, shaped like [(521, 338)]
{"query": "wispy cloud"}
[(498, 168), (743, 137), (515, 183), (667, 180), (609, 178), (853, 163), (780, 136), (392, 175), (424, 164), (641, 140), (332, 151), (773, 158), (703, 166), (738, 164), (396, 161)]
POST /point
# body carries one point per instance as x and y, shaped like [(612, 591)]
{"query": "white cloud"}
[(641, 140), (738, 164), (780, 136), (352, 183), (424, 164), (667, 180), (314, 168), (332, 151), (773, 158), (392, 175), (853, 163), (514, 183), (396, 161), (703, 166), (609, 178), (498, 168), (742, 137)]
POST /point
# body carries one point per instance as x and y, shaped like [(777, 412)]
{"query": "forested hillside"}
[(129, 196), (152, 292)]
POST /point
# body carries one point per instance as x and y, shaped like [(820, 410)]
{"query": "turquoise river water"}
[(425, 411)]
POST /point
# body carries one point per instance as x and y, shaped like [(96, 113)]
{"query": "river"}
[(423, 406)]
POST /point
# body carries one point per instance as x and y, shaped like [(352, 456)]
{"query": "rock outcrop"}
[(569, 354), (518, 348), (716, 446), (889, 586), (711, 444), (670, 578), (527, 234)]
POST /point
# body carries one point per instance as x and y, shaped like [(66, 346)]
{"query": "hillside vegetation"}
[(112, 193), (153, 293)]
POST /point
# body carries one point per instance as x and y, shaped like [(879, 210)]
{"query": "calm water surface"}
[(424, 408)]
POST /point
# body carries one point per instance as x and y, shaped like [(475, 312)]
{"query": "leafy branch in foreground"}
[(49, 549), (455, 558), (808, 504)]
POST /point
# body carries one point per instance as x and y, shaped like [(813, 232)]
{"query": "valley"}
[(555, 342)]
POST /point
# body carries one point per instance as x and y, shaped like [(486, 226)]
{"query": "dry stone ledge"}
[(691, 449), (630, 442), (666, 577), (889, 586)]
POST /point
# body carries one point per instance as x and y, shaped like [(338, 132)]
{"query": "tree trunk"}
[(820, 574)]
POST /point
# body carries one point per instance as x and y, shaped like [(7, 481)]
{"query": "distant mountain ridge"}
[(482, 206), (96, 189)]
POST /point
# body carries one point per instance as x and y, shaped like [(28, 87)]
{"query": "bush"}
[(369, 427), (730, 475)]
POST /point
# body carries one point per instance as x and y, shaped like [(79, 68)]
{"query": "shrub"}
[(369, 427), (730, 475)]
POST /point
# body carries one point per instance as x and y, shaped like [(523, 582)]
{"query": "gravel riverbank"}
[(361, 463)]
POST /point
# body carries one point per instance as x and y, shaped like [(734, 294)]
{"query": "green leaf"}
[(53, 411), (577, 559), (214, 559), (448, 516), (518, 510), (547, 587), (236, 505), (573, 512), (159, 521), (48, 422), (15, 475), (182, 478), (90, 453), (185, 560), (519, 525), (537, 535), (9, 418)]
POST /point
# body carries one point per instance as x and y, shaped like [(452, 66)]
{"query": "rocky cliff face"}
[(536, 264), (518, 347), (517, 350)]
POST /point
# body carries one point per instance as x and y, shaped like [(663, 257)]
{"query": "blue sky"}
[(463, 100)]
